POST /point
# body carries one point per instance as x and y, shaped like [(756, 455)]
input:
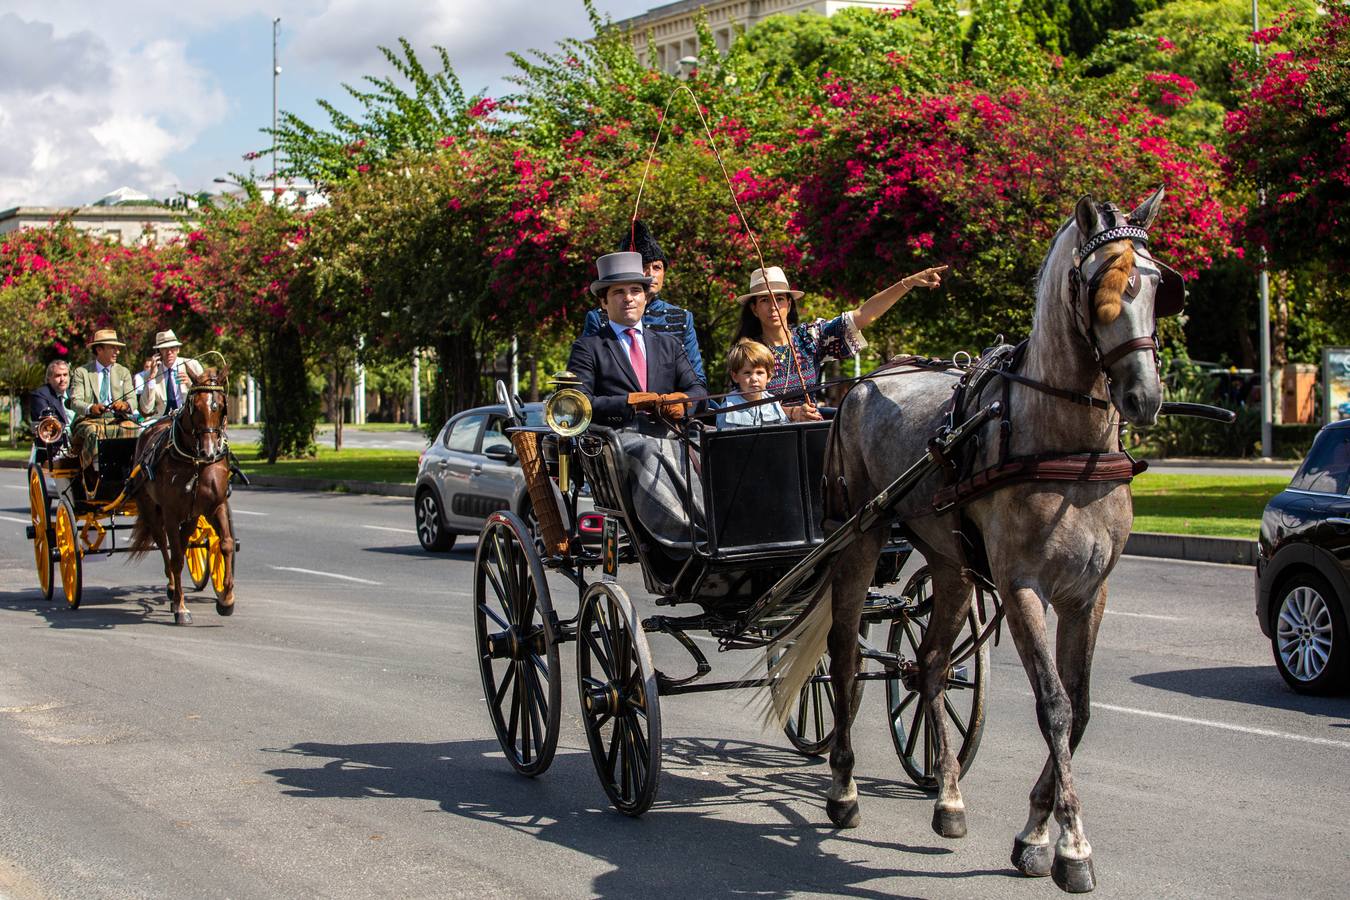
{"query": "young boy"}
[(750, 364)]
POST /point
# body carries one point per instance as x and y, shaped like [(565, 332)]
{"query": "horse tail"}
[(800, 647), (142, 538)]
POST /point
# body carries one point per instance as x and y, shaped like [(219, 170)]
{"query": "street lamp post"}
[(1263, 313), (276, 71)]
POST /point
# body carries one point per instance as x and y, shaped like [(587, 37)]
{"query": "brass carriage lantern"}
[(568, 413)]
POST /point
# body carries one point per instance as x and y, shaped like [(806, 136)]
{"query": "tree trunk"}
[(289, 409), (457, 378), (337, 394)]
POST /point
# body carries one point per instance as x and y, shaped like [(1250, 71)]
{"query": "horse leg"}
[(952, 594), (854, 570), (225, 602), (1072, 865), (178, 538), (1076, 638)]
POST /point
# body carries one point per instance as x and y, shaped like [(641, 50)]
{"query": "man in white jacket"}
[(167, 383)]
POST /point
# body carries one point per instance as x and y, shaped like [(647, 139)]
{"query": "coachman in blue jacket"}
[(661, 317)]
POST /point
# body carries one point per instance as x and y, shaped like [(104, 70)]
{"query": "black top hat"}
[(618, 268), (639, 238)]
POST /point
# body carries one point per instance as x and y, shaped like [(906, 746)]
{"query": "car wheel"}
[(431, 530), (532, 525), (1309, 636)]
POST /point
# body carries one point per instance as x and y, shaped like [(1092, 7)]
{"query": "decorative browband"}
[(1120, 232)]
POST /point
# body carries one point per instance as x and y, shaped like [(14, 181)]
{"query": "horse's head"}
[(205, 412), (1118, 291)]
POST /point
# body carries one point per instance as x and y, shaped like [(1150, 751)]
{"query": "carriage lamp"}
[(568, 410), (49, 429)]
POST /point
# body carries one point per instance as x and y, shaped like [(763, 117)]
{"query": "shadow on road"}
[(680, 844), (106, 607), (415, 551), (1253, 685)]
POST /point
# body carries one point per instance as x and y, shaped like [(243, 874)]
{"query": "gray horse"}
[(1046, 543)]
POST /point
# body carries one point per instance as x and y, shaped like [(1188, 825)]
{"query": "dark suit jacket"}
[(43, 401), (601, 363)]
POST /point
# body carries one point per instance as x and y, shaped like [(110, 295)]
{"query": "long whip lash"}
[(745, 222)]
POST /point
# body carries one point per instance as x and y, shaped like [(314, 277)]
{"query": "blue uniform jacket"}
[(660, 317)]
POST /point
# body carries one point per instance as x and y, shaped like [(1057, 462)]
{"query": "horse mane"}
[(1111, 287)]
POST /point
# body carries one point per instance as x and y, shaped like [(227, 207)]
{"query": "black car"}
[(1303, 569)]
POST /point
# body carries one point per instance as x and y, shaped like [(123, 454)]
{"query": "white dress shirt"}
[(622, 332)]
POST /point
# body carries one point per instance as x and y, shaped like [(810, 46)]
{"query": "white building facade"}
[(672, 27)]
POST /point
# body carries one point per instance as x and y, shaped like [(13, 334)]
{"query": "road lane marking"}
[(1117, 612), (12, 519), (325, 574), (1227, 726), (246, 512), (1185, 562), (17, 487), (387, 528)]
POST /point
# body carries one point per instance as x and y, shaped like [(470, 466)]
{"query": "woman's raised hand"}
[(928, 278)]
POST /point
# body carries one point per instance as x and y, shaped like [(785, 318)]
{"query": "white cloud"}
[(106, 116)]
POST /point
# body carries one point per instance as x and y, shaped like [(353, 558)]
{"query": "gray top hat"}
[(618, 268)]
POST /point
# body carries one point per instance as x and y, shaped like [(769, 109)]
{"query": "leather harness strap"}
[(1057, 467)]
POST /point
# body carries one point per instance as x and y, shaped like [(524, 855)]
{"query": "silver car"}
[(469, 472)]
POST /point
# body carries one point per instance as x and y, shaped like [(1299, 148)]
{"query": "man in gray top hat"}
[(167, 382)]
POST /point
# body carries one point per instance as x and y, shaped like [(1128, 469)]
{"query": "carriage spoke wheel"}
[(40, 510), (68, 545), (517, 647), (963, 701), (810, 728), (216, 559), (620, 707), (199, 553)]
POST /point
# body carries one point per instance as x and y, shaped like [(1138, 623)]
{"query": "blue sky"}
[(164, 95)]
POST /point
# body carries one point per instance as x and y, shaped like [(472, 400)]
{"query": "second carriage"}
[(748, 567)]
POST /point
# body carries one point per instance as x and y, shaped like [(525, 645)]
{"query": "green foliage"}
[(1186, 437), (1077, 26)]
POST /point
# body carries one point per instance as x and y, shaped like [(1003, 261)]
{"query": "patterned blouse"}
[(815, 342)]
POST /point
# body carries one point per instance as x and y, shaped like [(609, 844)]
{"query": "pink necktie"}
[(636, 358)]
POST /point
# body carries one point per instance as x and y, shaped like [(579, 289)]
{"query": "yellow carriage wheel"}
[(67, 543), (217, 566), (40, 512), (199, 553)]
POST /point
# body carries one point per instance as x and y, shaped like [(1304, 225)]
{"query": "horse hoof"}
[(182, 618), (1032, 860), (1073, 876), (223, 610), (950, 823), (844, 814)]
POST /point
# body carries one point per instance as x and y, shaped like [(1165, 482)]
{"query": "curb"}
[(1186, 547), (1192, 548), (1213, 463)]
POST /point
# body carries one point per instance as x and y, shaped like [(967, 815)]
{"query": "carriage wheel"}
[(965, 695), (199, 553), (216, 559), (620, 705), (68, 545), (810, 728), (517, 647), (40, 510)]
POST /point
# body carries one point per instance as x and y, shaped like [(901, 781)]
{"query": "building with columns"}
[(673, 36)]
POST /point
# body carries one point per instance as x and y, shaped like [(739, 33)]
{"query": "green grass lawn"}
[(352, 464), (1216, 505)]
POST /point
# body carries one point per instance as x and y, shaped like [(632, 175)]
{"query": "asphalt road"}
[(329, 740)]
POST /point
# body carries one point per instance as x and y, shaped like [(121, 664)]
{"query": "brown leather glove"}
[(96, 409), (643, 401), (121, 406), (672, 405)]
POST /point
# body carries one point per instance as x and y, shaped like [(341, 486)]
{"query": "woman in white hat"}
[(769, 315)]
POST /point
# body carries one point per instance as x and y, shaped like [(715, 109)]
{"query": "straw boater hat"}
[(618, 268), (105, 336), (761, 280), (166, 339)]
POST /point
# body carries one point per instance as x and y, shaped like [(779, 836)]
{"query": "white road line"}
[(12, 519), (387, 528), (1186, 562), (1117, 612), (15, 487), (1226, 726), (325, 574), (246, 512)]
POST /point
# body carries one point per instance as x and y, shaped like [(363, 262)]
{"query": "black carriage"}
[(755, 544), (78, 512)]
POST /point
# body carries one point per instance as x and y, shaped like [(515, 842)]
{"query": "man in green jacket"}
[(100, 395)]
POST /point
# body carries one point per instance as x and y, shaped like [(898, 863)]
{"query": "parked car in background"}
[(1303, 569), (468, 472)]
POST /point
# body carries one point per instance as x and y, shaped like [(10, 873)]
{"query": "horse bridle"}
[(197, 457), (1085, 285)]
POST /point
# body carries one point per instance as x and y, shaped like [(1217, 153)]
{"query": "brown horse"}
[(184, 461), (1047, 544)]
